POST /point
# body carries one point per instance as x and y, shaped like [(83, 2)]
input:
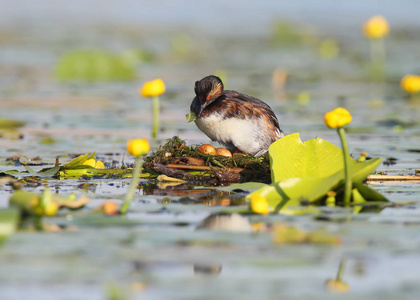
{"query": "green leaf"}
[(291, 191), (29, 169), (24, 160), (9, 219), (368, 193), (48, 172), (357, 199), (9, 124), (11, 172), (26, 201), (191, 117), (92, 156), (307, 171), (78, 160), (75, 172), (290, 157)]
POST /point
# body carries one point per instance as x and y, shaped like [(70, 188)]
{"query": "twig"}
[(378, 179)]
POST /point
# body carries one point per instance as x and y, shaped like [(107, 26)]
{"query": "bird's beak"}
[(191, 117)]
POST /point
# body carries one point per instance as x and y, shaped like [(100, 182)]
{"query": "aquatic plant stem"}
[(347, 175), (133, 185), (377, 56), (377, 50), (341, 269), (156, 109)]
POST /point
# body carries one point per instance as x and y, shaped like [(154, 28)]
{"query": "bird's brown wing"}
[(238, 105)]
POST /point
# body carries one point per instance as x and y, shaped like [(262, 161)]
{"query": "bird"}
[(240, 122)]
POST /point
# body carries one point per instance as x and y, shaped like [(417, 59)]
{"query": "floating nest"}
[(178, 160)]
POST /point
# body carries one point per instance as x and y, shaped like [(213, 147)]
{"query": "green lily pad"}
[(307, 171), (290, 157), (94, 66)]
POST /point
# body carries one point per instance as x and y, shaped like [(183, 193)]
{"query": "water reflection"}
[(189, 195), (207, 269), (337, 285), (226, 222), (221, 222)]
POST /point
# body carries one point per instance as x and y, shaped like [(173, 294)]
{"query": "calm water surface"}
[(161, 254)]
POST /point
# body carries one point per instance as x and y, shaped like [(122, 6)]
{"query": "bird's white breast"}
[(242, 133)]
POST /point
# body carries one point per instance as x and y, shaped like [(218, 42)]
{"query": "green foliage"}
[(291, 34), (94, 65), (329, 49), (78, 161), (78, 168), (290, 157), (9, 219), (307, 171), (10, 124), (40, 204), (191, 117)]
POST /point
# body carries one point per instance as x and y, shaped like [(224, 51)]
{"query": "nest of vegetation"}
[(221, 168)]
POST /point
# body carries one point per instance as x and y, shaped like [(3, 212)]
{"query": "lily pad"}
[(290, 157), (94, 66), (307, 171)]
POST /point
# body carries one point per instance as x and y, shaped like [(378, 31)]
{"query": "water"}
[(158, 249)]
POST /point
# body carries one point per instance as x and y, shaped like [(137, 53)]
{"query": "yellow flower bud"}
[(90, 162), (338, 117), (376, 27), (138, 147), (337, 286), (259, 204), (411, 83), (51, 209), (99, 165), (153, 88), (110, 208)]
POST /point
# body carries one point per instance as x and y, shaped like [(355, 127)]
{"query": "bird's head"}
[(206, 90)]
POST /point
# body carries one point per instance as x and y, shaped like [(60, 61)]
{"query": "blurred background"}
[(72, 70)]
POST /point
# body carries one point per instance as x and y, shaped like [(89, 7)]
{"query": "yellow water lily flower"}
[(153, 88), (259, 204), (411, 83), (51, 209), (138, 147), (337, 286), (90, 162), (376, 27), (337, 118), (99, 165)]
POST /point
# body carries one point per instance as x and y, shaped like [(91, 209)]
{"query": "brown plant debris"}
[(176, 155)]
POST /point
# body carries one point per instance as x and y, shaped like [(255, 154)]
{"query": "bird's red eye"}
[(208, 98)]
